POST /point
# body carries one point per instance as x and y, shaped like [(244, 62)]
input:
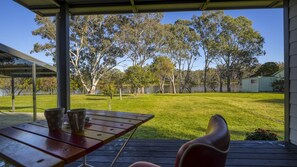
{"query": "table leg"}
[(84, 164), (122, 148)]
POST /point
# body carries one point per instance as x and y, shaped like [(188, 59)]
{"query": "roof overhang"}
[(17, 64), (82, 7)]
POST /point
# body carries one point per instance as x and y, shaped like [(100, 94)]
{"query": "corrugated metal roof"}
[(79, 7), (17, 64)]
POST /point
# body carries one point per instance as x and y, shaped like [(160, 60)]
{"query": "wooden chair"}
[(207, 151)]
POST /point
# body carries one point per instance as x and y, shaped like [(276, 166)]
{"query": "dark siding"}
[(293, 136), (293, 73), (293, 69), (293, 122), (293, 110), (294, 86), (293, 48), (293, 61), (293, 35), (293, 10), (293, 24), (292, 2), (292, 96)]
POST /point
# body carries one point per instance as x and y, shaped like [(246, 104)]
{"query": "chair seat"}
[(143, 164)]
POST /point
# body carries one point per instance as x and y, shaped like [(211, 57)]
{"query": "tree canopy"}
[(141, 34), (94, 49), (207, 26), (267, 69), (162, 68), (229, 46), (239, 45)]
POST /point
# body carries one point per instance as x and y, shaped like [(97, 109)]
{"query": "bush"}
[(109, 90), (261, 134), (278, 85)]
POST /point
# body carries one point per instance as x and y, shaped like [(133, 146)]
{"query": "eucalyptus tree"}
[(20, 84), (138, 77), (213, 79), (113, 79), (207, 26), (162, 68), (48, 84), (239, 45), (244, 68), (267, 69), (221, 72), (119, 79), (181, 44), (141, 36), (94, 49)]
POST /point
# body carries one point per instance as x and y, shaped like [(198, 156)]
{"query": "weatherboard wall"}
[(265, 84), (250, 85), (292, 14)]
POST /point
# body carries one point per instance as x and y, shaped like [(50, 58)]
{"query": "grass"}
[(181, 116)]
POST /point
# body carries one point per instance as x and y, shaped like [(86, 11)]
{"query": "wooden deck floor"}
[(163, 152)]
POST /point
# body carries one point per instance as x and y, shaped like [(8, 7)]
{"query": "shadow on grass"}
[(101, 95), (274, 101), (178, 94), (17, 108), (96, 98), (146, 132), (237, 133), (201, 129), (96, 95)]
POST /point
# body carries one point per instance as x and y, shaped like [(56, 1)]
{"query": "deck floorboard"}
[(163, 153)]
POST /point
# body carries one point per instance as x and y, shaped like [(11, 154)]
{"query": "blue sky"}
[(17, 24)]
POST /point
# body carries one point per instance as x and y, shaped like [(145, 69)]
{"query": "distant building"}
[(280, 75), (261, 83)]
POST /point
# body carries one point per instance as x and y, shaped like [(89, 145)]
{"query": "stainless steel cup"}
[(76, 118), (54, 118)]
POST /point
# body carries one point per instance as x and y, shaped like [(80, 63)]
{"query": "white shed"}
[(257, 84), (279, 75), (261, 83)]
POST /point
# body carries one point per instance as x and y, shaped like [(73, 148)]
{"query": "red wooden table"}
[(31, 144)]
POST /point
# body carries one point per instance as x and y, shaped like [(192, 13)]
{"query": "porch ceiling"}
[(17, 64), (80, 7)]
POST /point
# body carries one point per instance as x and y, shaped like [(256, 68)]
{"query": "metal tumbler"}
[(54, 118), (76, 118)]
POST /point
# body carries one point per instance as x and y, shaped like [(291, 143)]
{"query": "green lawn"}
[(182, 116)]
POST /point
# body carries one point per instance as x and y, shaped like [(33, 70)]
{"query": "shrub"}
[(109, 90), (261, 134), (278, 85)]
